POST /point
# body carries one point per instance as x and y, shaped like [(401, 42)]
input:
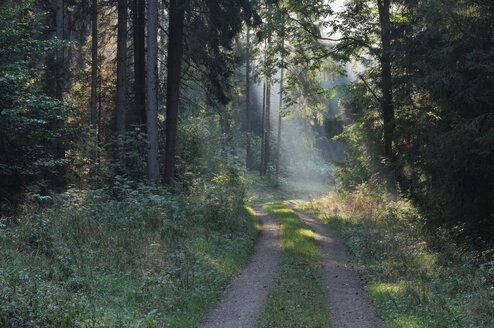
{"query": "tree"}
[(174, 65), (152, 93), (59, 178), (263, 128), (138, 25), (278, 144), (28, 118), (209, 45), (248, 155), (386, 83), (121, 103), (94, 65)]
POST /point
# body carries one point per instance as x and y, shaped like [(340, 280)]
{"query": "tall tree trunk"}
[(278, 145), (386, 84), (60, 124), (267, 146), (152, 94), (60, 50), (263, 116), (139, 8), (248, 156), (94, 64), (174, 64), (387, 89), (121, 68), (94, 81)]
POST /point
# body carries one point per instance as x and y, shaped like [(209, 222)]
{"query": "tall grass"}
[(415, 278), (141, 260)]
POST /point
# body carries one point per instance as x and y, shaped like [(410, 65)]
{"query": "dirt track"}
[(245, 297), (348, 302)]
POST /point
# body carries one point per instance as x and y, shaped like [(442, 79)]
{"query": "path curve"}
[(348, 301), (246, 295)]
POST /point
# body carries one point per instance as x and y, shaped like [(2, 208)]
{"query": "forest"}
[(149, 149)]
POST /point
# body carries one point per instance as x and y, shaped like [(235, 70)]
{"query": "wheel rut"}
[(348, 302), (245, 297)]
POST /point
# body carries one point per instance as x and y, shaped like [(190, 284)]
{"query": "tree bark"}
[(267, 146), (278, 145), (387, 90), (139, 12), (263, 115), (121, 68), (386, 83), (174, 64), (94, 64), (248, 156), (60, 182), (152, 94), (60, 50)]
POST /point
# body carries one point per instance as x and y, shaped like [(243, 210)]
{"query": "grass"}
[(413, 278), (269, 188), (297, 299), (144, 261)]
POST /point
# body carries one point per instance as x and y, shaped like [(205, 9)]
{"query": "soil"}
[(245, 297), (348, 302)]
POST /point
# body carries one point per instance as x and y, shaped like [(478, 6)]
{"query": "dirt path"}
[(348, 302), (245, 297)]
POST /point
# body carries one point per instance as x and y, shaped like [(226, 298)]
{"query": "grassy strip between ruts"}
[(414, 280), (297, 299)]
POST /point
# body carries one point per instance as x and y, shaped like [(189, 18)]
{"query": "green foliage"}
[(94, 260), (27, 117), (442, 94), (415, 279)]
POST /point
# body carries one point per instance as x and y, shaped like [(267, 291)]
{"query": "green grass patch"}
[(297, 299), (414, 279), (143, 261)]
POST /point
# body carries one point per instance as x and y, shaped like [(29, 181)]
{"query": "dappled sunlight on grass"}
[(385, 288), (413, 278), (298, 298)]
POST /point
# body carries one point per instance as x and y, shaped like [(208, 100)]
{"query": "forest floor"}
[(264, 294)]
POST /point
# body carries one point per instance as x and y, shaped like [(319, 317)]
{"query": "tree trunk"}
[(121, 68), (263, 115), (139, 9), (386, 84), (387, 89), (94, 64), (278, 145), (60, 51), (152, 94), (60, 124), (174, 64), (248, 157), (267, 150)]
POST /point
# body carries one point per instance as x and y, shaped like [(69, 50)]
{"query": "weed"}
[(414, 278)]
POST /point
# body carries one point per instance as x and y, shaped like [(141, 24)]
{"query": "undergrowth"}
[(415, 278), (139, 260), (297, 299)]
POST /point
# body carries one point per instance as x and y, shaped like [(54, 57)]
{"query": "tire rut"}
[(245, 297), (348, 302)]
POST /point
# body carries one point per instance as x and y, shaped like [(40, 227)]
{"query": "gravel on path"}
[(348, 301), (245, 297)]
